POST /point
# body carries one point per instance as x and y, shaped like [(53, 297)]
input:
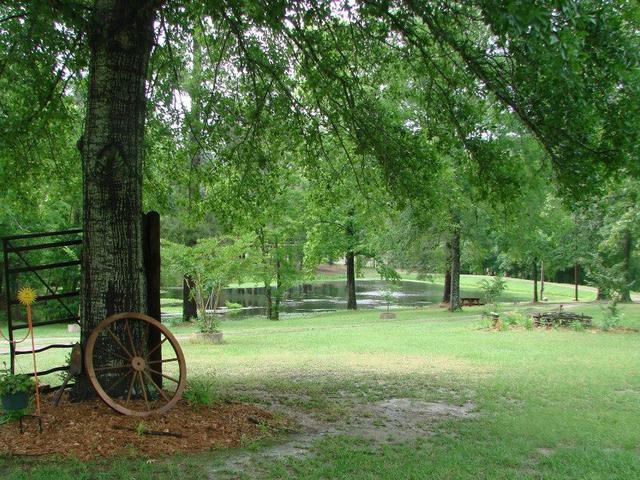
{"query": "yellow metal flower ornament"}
[(27, 295)]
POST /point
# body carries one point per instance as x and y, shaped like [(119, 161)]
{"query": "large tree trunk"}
[(454, 296), (535, 280), (625, 293), (351, 281), (446, 295), (189, 306), (113, 279)]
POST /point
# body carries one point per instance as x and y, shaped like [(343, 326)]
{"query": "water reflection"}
[(329, 296)]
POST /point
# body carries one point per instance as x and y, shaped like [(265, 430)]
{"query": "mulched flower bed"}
[(91, 429)]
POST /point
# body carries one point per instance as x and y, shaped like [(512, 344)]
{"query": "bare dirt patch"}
[(91, 429), (394, 420)]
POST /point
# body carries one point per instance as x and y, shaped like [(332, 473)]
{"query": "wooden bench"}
[(470, 301)]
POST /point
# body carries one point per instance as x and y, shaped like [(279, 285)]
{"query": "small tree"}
[(212, 264), (491, 289)]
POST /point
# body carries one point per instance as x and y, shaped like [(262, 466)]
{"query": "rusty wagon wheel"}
[(127, 373)]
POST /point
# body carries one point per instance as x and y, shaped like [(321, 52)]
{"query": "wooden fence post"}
[(151, 225)]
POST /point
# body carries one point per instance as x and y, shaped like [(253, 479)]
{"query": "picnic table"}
[(470, 301)]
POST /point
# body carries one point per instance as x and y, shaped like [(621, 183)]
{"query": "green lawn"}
[(547, 403)]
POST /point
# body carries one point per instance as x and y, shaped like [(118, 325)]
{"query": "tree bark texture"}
[(351, 281), (535, 280), (446, 294), (275, 314), (625, 293), (542, 280), (113, 279), (189, 307), (454, 296), (269, 296)]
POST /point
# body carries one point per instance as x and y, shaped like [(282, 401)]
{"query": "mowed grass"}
[(549, 403)]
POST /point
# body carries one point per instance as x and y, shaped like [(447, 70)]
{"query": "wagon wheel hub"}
[(138, 363)]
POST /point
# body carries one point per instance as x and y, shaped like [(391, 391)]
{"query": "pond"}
[(328, 296)]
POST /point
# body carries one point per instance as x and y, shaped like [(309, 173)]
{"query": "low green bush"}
[(232, 305), (514, 318), (201, 391), (611, 315), (528, 323), (577, 326)]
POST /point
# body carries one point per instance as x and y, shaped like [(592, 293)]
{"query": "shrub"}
[(528, 323), (514, 318), (611, 315), (577, 326), (485, 322), (232, 305), (201, 391), (491, 289)]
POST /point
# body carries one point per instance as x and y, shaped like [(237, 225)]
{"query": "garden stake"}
[(26, 296)]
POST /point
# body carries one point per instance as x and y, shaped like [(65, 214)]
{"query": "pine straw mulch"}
[(91, 429)]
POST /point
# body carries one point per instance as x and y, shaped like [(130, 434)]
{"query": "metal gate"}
[(50, 263)]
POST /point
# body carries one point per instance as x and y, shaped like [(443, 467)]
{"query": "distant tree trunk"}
[(542, 280), (189, 307), (269, 296), (576, 279), (454, 296), (446, 295), (351, 281), (625, 293), (193, 87), (275, 313), (535, 280), (113, 279)]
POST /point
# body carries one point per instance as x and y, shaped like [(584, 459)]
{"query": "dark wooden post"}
[(576, 278), (151, 227)]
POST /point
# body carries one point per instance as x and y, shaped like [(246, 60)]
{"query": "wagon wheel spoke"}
[(156, 347), (114, 367), (165, 376), (117, 382), (144, 390), (133, 348), (133, 379), (102, 349), (163, 361), (117, 340), (160, 391)]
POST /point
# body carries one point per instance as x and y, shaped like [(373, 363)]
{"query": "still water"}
[(330, 296)]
